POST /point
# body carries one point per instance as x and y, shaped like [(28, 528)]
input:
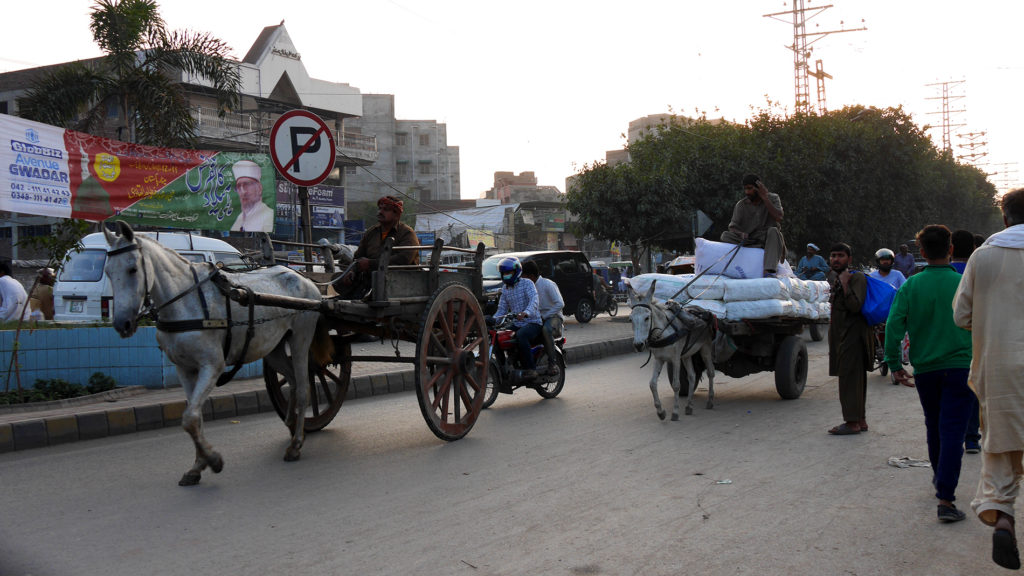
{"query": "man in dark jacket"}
[(356, 283), (850, 345)]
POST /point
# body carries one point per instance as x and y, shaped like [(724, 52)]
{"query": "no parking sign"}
[(302, 148)]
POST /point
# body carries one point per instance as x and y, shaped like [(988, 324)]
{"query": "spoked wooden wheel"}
[(328, 386), (452, 362)]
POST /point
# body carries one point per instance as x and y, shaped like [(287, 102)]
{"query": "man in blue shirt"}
[(904, 261), (551, 304), (812, 266), (884, 258), (520, 299)]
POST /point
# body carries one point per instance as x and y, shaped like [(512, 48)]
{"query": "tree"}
[(134, 78)]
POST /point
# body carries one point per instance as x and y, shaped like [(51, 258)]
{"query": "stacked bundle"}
[(742, 299)]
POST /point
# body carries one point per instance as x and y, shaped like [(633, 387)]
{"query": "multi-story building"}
[(274, 81), (415, 158)]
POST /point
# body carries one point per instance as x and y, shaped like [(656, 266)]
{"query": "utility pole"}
[(1007, 176), (801, 48), (820, 74), (974, 149), (947, 97)]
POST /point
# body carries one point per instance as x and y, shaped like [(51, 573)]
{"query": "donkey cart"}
[(435, 306), (771, 344)]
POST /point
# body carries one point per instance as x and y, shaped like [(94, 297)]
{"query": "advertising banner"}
[(66, 174)]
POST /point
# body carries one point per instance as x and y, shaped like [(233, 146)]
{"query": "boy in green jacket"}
[(941, 356)]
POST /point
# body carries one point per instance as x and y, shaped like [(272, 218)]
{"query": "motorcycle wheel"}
[(884, 369), (493, 378), (551, 389), (613, 308)]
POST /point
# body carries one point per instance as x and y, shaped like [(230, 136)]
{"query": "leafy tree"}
[(134, 78)]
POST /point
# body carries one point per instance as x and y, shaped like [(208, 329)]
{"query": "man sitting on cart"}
[(755, 223), (356, 283), (520, 299)]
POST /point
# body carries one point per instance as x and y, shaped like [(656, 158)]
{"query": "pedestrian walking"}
[(989, 302)]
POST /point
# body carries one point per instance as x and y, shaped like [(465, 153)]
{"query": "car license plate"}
[(77, 307)]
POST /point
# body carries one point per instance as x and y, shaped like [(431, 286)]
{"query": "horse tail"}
[(321, 350), (698, 368)]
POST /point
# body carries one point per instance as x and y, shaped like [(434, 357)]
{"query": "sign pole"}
[(307, 227)]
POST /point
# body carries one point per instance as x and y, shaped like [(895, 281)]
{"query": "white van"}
[(82, 292)]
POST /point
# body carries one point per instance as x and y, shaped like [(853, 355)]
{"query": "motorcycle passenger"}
[(600, 294), (884, 259), (551, 304), (521, 299)]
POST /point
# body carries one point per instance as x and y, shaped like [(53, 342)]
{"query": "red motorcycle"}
[(506, 372)]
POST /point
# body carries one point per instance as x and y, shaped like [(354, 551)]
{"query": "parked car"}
[(569, 269), (82, 292)]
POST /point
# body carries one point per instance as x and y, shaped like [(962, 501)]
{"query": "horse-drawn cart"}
[(434, 305), (772, 344)]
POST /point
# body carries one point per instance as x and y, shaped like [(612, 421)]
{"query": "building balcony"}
[(247, 132)]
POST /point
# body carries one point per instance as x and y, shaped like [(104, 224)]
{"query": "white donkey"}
[(673, 334), (201, 335)]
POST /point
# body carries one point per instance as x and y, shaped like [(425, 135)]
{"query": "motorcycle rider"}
[(885, 258), (551, 304), (601, 295), (521, 299)]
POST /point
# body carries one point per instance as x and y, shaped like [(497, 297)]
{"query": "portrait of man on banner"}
[(255, 215)]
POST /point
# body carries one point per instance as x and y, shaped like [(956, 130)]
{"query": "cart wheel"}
[(791, 368), (452, 362), (883, 369), (613, 308), (551, 389), (326, 393), (817, 333), (493, 378)]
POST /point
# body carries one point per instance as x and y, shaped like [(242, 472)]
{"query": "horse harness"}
[(223, 284), (676, 334)]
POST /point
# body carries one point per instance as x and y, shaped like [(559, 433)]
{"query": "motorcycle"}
[(506, 373)]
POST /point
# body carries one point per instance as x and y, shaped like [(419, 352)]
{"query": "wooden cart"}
[(435, 306), (772, 344)]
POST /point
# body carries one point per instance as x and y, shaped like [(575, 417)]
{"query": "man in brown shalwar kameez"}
[(389, 213), (849, 342)]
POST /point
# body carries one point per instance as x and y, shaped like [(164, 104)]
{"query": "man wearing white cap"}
[(812, 266), (256, 216)]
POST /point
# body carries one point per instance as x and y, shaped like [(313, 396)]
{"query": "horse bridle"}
[(662, 342), (206, 323)]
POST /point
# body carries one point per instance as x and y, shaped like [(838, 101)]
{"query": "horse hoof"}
[(675, 417), (190, 478), (689, 411), (661, 414), (215, 462), (291, 455)]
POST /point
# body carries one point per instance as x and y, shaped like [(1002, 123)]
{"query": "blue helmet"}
[(510, 269)]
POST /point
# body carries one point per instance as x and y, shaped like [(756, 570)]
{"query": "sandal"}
[(863, 426), (844, 429), (1004, 550)]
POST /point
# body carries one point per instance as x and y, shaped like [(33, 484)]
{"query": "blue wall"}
[(74, 353)]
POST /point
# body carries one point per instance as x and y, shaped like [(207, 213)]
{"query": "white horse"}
[(201, 336), (673, 334)]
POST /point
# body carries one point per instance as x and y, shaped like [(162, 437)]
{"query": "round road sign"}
[(302, 147)]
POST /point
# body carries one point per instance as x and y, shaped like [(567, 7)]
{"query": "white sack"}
[(716, 307), (757, 309), (713, 256), (756, 289), (707, 287), (824, 310)]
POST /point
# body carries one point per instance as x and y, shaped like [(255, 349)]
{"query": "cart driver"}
[(521, 299), (356, 283)]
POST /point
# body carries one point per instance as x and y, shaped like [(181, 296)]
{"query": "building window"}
[(401, 139), (350, 170), (425, 169), (402, 172), (3, 107), (33, 231), (424, 139)]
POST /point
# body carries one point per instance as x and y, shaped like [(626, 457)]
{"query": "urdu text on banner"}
[(67, 174)]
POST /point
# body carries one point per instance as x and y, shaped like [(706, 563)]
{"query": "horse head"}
[(640, 315), (129, 279)]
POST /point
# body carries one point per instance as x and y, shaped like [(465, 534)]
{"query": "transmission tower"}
[(974, 149), (947, 97), (1004, 178), (820, 74), (801, 48)]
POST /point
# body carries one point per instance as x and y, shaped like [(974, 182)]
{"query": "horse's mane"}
[(142, 239)]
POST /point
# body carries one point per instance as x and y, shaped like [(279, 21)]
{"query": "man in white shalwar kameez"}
[(990, 303)]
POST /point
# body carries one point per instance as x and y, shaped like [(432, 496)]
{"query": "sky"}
[(550, 86)]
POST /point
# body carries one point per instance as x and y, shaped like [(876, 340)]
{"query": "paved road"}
[(588, 483)]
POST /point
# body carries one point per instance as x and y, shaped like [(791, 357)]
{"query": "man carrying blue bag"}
[(941, 357)]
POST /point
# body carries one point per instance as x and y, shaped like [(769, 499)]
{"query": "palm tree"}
[(134, 78)]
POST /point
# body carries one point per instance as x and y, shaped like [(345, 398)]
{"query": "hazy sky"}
[(550, 86)]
